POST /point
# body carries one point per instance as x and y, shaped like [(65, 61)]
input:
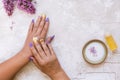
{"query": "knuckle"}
[(37, 45), (39, 50), (42, 63), (46, 49), (48, 59), (42, 23), (45, 29)]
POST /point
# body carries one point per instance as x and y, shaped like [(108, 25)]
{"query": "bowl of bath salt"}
[(95, 52)]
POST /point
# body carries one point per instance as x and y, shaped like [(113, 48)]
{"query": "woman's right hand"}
[(45, 59)]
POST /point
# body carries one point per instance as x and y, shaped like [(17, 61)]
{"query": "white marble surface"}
[(74, 22)]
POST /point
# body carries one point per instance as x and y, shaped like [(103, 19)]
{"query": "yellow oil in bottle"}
[(111, 42)]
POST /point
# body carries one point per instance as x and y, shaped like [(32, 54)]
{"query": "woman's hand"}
[(9, 68), (46, 60), (37, 29)]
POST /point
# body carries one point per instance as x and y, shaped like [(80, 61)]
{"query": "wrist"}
[(60, 76), (25, 55)]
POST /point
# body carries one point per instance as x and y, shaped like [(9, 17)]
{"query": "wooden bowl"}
[(95, 52)]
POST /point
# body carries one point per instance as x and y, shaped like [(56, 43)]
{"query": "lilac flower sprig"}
[(25, 5), (9, 6)]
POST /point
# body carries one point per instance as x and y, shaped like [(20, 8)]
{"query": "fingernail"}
[(40, 17), (32, 20), (47, 20), (43, 16), (52, 37), (30, 45), (31, 58)]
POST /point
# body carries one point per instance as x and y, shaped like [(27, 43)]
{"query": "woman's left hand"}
[(37, 29)]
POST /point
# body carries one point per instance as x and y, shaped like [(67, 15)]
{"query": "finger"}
[(51, 49), (31, 26), (45, 48), (39, 49), (35, 53), (49, 39), (37, 24), (45, 29), (41, 25), (35, 61)]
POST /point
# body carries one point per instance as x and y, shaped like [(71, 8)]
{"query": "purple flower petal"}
[(9, 6), (26, 5)]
